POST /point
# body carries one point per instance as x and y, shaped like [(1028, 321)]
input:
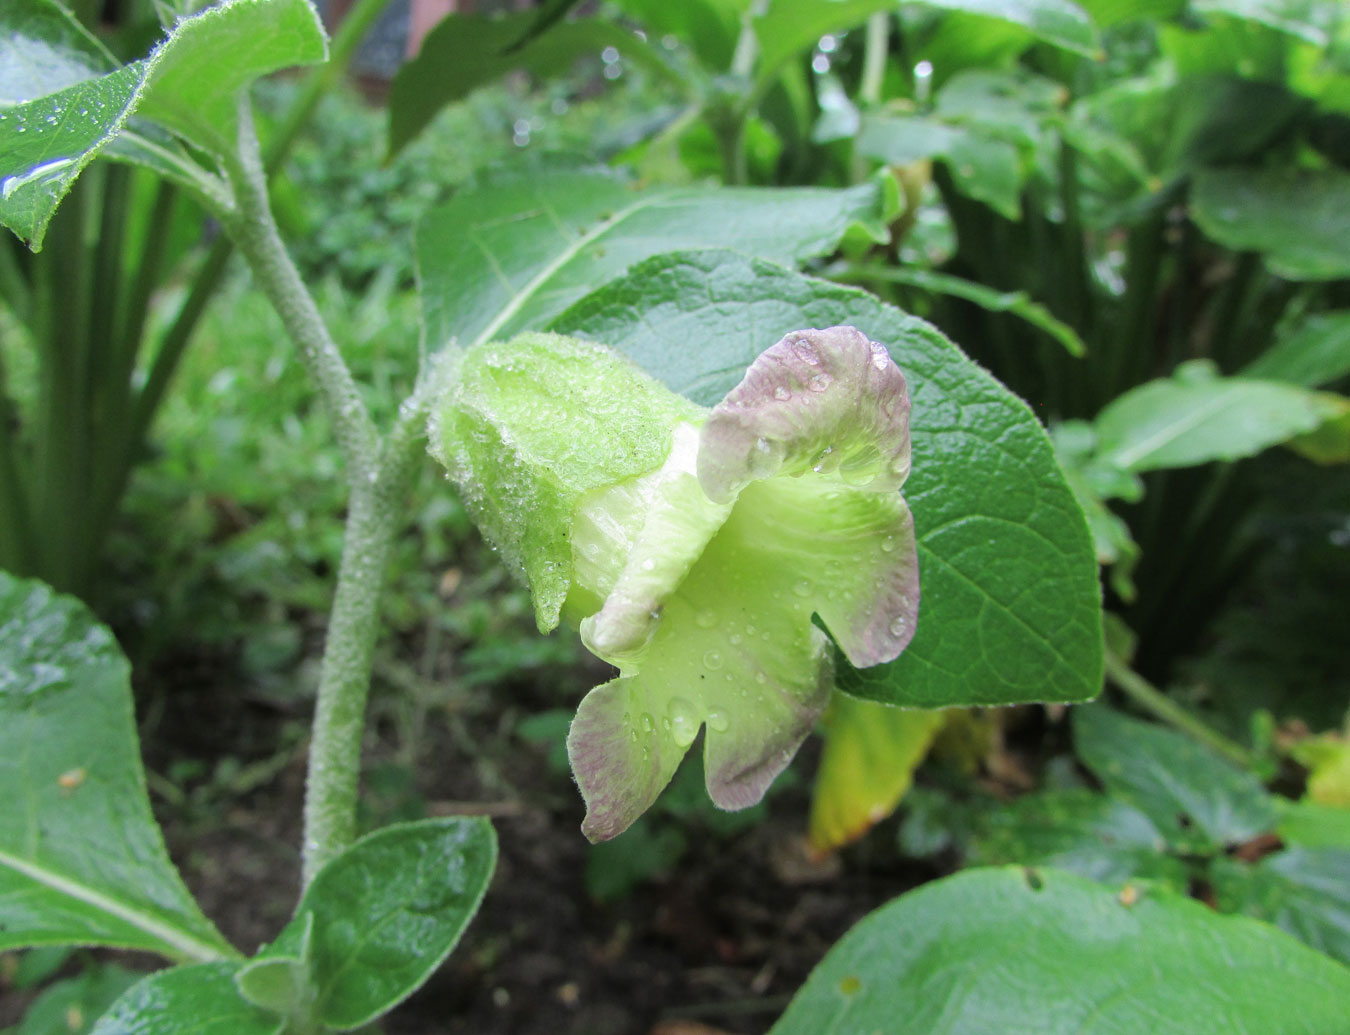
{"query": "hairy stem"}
[(379, 471)]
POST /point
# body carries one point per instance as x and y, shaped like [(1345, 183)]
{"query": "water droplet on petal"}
[(648, 564), (899, 625), (818, 383), (705, 619), (888, 544), (806, 352), (735, 639), (712, 660), (648, 724), (684, 721), (880, 357), (718, 721), (781, 393), (802, 588)]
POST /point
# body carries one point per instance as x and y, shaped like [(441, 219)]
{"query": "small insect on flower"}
[(72, 778)]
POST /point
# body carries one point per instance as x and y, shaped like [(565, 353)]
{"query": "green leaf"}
[(1058, 22), (1013, 950), (515, 251), (385, 914), (1312, 353), (189, 84), (194, 78), (466, 51), (983, 167), (1199, 802), (43, 49), (1195, 416), (81, 859), (1302, 890), (196, 1000), (1010, 606), (1093, 835), (1298, 219), (786, 28), (1017, 303), (71, 1007), (1314, 825), (1302, 18), (871, 752)]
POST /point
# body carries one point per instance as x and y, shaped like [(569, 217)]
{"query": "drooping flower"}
[(693, 547)]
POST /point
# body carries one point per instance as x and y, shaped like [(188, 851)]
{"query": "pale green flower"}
[(693, 546)]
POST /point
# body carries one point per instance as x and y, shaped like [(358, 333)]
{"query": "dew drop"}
[(802, 588), (648, 564), (880, 357), (888, 544), (898, 626), (718, 721), (705, 619), (684, 721), (712, 660), (806, 352), (648, 724), (818, 383), (781, 393), (735, 639)]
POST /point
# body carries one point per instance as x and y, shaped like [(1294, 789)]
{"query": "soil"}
[(716, 945)]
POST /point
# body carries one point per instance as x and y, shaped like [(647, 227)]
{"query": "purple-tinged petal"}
[(821, 401)]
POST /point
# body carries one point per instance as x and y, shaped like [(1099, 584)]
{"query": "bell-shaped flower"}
[(693, 547)]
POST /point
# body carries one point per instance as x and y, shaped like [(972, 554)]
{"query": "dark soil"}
[(716, 945)]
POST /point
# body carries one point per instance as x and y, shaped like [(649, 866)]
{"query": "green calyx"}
[(693, 546)]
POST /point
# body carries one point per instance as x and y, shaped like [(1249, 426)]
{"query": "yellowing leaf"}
[(871, 752)]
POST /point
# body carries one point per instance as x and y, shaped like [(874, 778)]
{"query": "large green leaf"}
[(1059, 22), (1298, 219), (196, 1000), (1010, 608), (466, 51), (1312, 353), (1024, 951), (81, 859), (1199, 802), (378, 919), (1305, 891), (189, 84), (1196, 416), (515, 251)]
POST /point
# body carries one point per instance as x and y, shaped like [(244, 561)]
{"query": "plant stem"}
[(1154, 701), (378, 473), (255, 234), (875, 52)]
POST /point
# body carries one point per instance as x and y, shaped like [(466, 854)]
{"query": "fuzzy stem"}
[(379, 472)]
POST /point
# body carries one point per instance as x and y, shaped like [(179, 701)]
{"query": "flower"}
[(693, 547)]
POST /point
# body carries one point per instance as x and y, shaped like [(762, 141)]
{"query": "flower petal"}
[(733, 648), (855, 554), (819, 400), (680, 520)]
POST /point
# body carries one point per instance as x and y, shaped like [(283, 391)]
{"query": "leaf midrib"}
[(182, 942)]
